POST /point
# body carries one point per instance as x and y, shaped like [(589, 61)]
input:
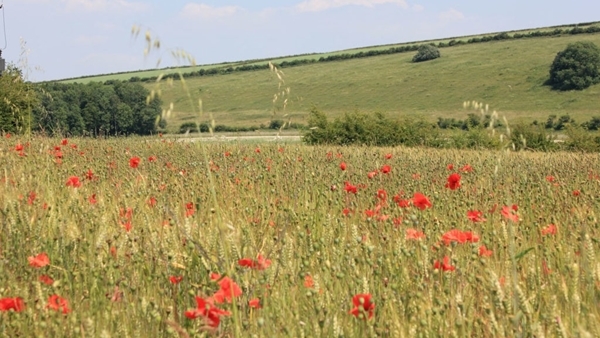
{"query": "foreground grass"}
[(219, 203)]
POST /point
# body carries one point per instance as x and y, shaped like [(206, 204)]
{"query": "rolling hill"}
[(508, 75)]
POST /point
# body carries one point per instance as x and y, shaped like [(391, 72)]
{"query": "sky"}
[(57, 39)]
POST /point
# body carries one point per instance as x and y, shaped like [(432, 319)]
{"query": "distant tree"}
[(576, 67), (426, 52), (111, 108), (17, 98)]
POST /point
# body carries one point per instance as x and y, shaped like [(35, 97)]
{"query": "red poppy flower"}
[(259, 264), (371, 174), (126, 213), (386, 169), (57, 303), (206, 309), (509, 214), (458, 236), (46, 279), (450, 166), (343, 166), (190, 209), (347, 211), (254, 303), (550, 178), (350, 188), (31, 197), (466, 168), (403, 203), (134, 162), (64, 142), (127, 225), (551, 229), (19, 147), (576, 193), (308, 281), (444, 265), (89, 175), (152, 201), (421, 201), (228, 290), (388, 156), (152, 159), (92, 199), (370, 213), (16, 304), (484, 252), (39, 261), (382, 195), (74, 182), (453, 181), (414, 234), (475, 216), (362, 305), (175, 279)]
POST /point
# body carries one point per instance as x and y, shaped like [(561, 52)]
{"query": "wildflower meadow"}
[(152, 237)]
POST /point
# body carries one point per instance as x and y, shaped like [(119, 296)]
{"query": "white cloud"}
[(451, 15), (194, 10), (322, 5), (104, 5)]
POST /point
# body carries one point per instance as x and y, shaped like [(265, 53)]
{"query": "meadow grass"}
[(315, 56), (191, 209), (508, 75)]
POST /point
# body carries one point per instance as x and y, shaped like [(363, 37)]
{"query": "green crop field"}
[(148, 237)]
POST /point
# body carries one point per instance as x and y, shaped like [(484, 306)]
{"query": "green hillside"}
[(508, 75)]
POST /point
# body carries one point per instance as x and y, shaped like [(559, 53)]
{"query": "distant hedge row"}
[(380, 130), (393, 50)]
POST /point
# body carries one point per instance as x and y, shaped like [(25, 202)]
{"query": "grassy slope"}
[(185, 69), (508, 75)]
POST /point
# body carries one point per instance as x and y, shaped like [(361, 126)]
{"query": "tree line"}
[(94, 109)]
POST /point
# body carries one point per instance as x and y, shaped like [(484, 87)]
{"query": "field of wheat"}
[(151, 237)]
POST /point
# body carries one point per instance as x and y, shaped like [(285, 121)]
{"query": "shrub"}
[(426, 52), (276, 124), (593, 124), (531, 138), (192, 127), (370, 129), (580, 140), (576, 67)]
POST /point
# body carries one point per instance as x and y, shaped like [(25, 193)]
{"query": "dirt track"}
[(244, 138)]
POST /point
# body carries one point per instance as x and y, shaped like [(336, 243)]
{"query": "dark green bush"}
[(576, 67), (426, 52), (593, 124), (192, 127)]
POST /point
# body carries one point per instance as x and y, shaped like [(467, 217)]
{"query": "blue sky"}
[(68, 38)]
